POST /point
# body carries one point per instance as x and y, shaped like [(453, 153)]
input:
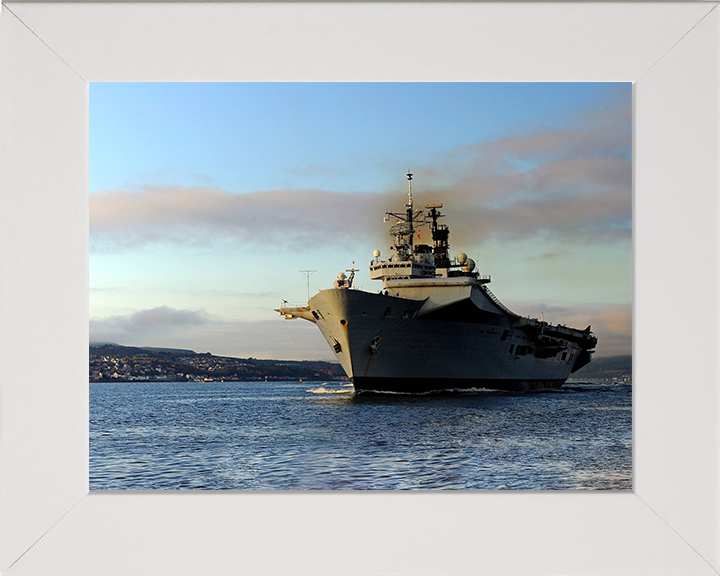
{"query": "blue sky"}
[(206, 200)]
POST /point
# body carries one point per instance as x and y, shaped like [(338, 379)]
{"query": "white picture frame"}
[(49, 523)]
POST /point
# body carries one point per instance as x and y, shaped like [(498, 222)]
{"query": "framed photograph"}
[(418, 370), (668, 524)]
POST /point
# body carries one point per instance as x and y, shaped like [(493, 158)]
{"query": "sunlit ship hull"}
[(394, 344)]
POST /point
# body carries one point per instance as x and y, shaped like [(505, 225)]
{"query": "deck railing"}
[(498, 303)]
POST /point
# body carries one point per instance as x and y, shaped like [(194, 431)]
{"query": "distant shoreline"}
[(113, 362)]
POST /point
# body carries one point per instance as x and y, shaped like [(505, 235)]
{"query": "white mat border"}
[(61, 47)]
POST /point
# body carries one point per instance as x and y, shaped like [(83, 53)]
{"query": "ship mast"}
[(404, 228), (410, 210)]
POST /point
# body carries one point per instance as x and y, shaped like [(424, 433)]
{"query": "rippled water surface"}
[(295, 436)]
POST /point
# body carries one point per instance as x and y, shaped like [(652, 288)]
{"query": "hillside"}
[(109, 349), (111, 362)]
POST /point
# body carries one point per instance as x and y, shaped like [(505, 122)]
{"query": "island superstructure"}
[(435, 325)]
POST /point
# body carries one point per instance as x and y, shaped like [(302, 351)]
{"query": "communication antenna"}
[(308, 273)]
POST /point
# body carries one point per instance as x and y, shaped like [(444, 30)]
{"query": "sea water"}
[(322, 436)]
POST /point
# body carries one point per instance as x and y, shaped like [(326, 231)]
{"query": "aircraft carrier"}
[(435, 325)]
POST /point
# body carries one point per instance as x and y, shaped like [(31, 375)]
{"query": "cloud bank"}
[(208, 216), (163, 326), (571, 184), (146, 324)]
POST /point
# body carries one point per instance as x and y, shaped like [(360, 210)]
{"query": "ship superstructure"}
[(435, 324)]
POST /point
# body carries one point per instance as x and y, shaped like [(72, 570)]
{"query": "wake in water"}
[(323, 390)]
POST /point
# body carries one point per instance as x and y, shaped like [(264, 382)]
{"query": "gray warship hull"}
[(388, 343)]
